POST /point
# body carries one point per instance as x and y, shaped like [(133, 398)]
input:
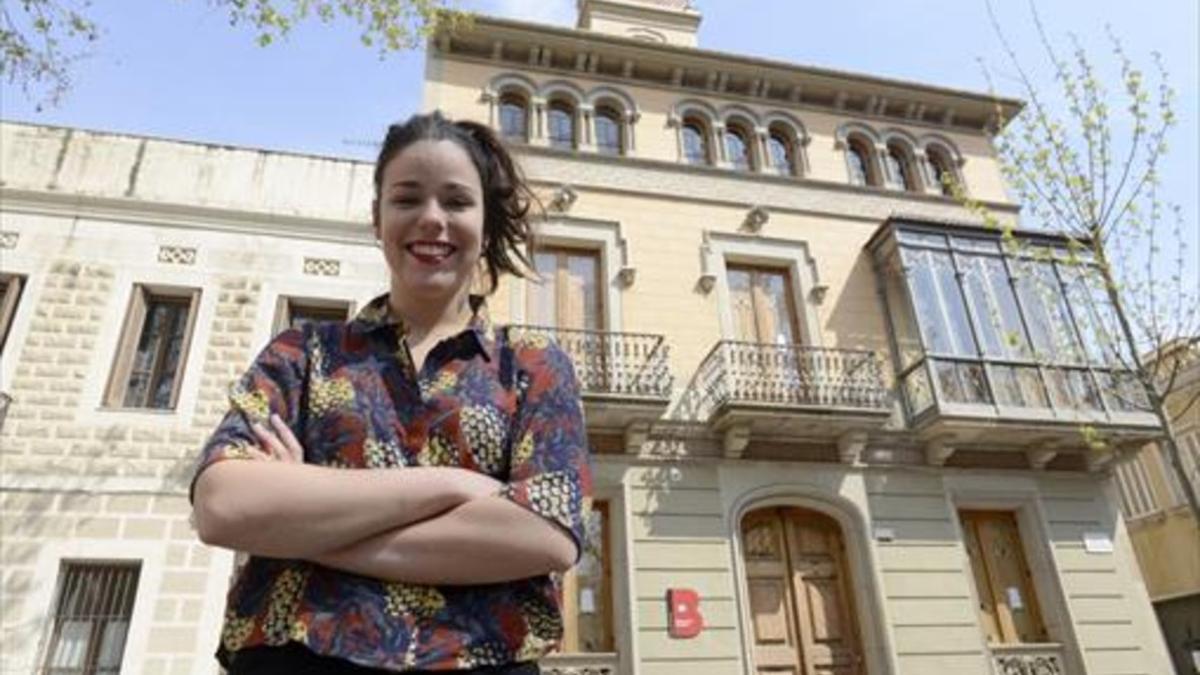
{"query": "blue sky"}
[(175, 68)]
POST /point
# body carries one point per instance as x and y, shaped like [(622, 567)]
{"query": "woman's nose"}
[(431, 215)]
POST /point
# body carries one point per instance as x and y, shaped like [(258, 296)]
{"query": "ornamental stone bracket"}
[(937, 452), (755, 218), (636, 435), (1039, 458), (1099, 460), (851, 445), (563, 199), (734, 440)]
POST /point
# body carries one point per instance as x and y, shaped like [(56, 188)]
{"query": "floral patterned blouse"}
[(503, 402)]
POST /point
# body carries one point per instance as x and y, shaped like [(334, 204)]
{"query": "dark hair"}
[(507, 199)]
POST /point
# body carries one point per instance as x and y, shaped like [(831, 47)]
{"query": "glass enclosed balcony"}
[(987, 331)]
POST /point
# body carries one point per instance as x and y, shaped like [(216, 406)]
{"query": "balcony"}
[(1039, 659), (625, 377), (791, 392)]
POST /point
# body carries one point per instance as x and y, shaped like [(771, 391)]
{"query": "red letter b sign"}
[(683, 613)]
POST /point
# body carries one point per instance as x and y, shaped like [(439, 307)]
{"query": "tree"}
[(41, 40), (1088, 170)]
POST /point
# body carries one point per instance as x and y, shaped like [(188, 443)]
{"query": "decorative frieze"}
[(177, 255), (322, 267)]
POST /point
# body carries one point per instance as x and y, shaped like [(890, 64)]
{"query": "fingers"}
[(270, 443), (294, 449)]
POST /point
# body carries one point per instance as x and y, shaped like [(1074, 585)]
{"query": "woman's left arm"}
[(536, 524), (484, 541)]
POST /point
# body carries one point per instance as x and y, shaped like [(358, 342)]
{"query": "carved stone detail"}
[(9, 239), (322, 267), (1028, 664), (177, 255)]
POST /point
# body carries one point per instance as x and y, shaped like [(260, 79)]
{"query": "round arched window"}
[(560, 120), (608, 131), (857, 158), (783, 160), (737, 148), (695, 145), (513, 117)]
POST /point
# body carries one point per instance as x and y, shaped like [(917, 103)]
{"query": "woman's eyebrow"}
[(411, 183)]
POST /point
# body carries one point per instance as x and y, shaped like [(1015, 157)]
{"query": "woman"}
[(466, 444)]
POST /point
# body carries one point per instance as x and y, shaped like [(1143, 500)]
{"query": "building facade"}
[(1163, 530), (835, 429)]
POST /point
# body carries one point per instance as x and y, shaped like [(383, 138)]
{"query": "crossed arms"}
[(426, 525)]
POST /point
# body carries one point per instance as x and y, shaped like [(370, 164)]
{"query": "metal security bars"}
[(91, 619)]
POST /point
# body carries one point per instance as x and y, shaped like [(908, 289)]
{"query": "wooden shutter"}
[(762, 305), (1008, 604), (569, 295)]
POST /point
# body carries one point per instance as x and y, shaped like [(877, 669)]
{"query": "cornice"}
[(586, 46), (190, 216)]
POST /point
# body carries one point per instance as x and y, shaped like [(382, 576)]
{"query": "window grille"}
[(91, 619)]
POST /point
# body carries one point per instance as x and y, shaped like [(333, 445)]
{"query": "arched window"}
[(695, 142), (943, 174), (560, 121), (737, 147), (858, 158), (782, 156), (608, 131), (514, 115), (900, 168)]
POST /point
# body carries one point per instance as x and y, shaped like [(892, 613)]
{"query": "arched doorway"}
[(800, 591)]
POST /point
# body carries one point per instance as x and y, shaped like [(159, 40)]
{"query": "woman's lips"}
[(429, 252)]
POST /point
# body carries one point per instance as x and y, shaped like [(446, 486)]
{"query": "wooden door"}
[(801, 603), (1008, 606), (568, 295)]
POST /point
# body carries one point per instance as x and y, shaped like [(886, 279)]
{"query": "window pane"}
[(72, 646), (742, 305), (736, 149), (1045, 309), (512, 119), (961, 382), (608, 133), (857, 159), (904, 325), (1018, 386), (1123, 392), (993, 306), (939, 303), (695, 149), (582, 299), (156, 360), (781, 155), (561, 121), (112, 644), (594, 600), (774, 308), (91, 617), (542, 306), (1093, 312), (301, 315), (897, 168), (918, 391), (941, 172)]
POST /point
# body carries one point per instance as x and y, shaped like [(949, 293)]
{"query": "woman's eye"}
[(404, 201)]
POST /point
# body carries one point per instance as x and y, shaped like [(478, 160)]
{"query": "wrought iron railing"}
[(795, 375), (1028, 659), (633, 364)]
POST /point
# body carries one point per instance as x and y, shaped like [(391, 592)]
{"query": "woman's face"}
[(429, 220)]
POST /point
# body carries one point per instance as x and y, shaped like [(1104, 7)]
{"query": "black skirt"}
[(295, 659)]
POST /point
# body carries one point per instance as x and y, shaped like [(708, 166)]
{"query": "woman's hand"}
[(279, 443)]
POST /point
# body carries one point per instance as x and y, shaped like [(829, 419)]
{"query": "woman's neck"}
[(423, 318)]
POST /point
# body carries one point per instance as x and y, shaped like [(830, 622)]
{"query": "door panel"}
[(797, 573), (1002, 578)]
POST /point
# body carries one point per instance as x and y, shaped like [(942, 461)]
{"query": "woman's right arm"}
[(293, 510)]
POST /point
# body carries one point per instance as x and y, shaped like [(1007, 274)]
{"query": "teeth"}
[(431, 249)]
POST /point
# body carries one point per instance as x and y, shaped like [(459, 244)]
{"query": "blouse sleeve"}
[(273, 384), (549, 467)]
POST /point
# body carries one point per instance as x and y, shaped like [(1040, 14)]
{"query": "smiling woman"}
[(415, 474)]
